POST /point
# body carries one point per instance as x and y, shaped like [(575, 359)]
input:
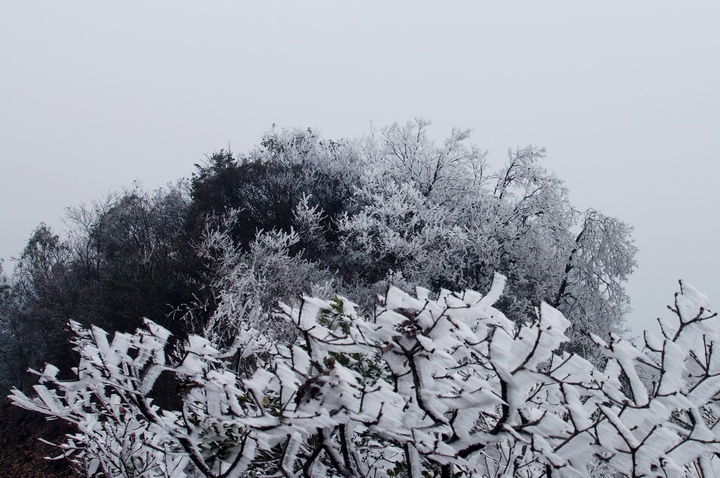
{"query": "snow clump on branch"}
[(426, 387)]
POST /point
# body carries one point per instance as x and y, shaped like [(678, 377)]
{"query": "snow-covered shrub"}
[(445, 386)]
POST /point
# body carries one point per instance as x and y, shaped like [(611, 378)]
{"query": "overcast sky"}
[(624, 96)]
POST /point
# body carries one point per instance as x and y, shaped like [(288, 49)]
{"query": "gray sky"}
[(624, 96)]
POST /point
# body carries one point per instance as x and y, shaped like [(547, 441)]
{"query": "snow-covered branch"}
[(442, 387)]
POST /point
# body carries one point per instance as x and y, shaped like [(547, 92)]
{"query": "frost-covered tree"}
[(425, 387), (438, 216), (297, 215), (397, 208), (265, 187), (591, 288), (405, 154), (394, 207), (250, 281)]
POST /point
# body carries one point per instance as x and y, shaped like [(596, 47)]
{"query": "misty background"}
[(624, 97)]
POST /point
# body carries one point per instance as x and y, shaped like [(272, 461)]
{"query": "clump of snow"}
[(423, 386)]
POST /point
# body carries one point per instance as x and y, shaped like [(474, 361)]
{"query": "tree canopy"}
[(199, 270), (395, 208)]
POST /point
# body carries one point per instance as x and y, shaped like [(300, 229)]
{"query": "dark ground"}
[(21, 453)]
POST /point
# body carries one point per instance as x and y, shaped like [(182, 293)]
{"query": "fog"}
[(624, 97)]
